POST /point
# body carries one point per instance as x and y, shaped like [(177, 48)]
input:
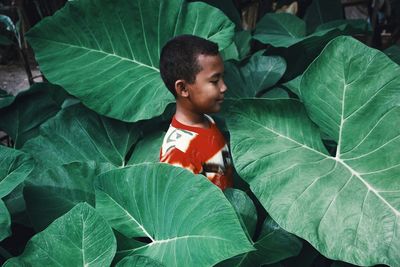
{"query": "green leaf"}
[(125, 246), (5, 99), (148, 149), (107, 52), (138, 261), (240, 48), (394, 53), (346, 205), (322, 11), (259, 73), (79, 238), (294, 85), (286, 30), (229, 9), (16, 206), (55, 191), (9, 25), (244, 208), (276, 93), (280, 29), (187, 219), (15, 166), (5, 221), (78, 134), (273, 245), (21, 119), (287, 34)]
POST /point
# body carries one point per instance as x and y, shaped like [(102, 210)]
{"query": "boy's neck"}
[(191, 118)]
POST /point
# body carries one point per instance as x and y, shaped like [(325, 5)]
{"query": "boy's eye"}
[(215, 82)]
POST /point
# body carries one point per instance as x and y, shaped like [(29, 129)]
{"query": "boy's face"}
[(206, 94)]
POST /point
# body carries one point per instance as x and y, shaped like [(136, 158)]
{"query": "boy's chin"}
[(215, 109)]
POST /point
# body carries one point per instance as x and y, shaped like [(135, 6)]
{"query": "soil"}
[(14, 79)]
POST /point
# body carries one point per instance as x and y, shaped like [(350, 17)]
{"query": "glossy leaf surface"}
[(54, 192), (107, 52), (260, 72), (285, 30), (15, 166), (148, 149), (273, 245), (187, 219), (79, 238), (78, 134), (347, 206), (138, 261), (31, 108), (394, 53), (5, 221), (5, 99), (244, 208), (289, 39), (322, 11)]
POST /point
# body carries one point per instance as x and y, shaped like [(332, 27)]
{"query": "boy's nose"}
[(223, 87)]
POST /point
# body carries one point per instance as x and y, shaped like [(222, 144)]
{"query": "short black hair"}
[(178, 59)]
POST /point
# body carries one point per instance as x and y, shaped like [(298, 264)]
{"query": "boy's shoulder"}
[(177, 138)]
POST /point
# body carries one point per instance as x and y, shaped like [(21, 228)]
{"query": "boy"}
[(192, 70)]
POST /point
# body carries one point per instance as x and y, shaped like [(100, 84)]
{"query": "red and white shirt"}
[(200, 150)]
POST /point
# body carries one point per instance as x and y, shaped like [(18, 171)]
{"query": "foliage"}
[(338, 203), (312, 123), (118, 56)]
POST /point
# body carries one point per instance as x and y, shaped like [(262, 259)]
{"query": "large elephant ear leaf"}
[(260, 72), (79, 134), (346, 205), (79, 238), (5, 221), (394, 53), (5, 99), (15, 166), (138, 261), (320, 12), (31, 108), (245, 209), (51, 193), (107, 52), (186, 218), (273, 245)]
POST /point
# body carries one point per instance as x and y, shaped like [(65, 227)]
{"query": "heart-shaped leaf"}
[(147, 149), (5, 99), (15, 166), (31, 108), (78, 134), (320, 12), (287, 35), (259, 73), (55, 191), (107, 52), (394, 53), (346, 205), (286, 30), (79, 238), (187, 219), (244, 208), (5, 221), (273, 245), (138, 261)]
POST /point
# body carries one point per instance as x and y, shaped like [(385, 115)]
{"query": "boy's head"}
[(179, 59)]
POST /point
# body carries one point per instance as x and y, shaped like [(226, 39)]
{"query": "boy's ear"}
[(181, 88)]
